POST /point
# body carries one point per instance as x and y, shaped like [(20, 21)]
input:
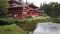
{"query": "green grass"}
[(11, 29)]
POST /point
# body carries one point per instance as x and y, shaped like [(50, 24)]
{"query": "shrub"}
[(3, 22), (26, 21), (6, 21), (30, 24), (28, 17), (31, 20), (55, 20)]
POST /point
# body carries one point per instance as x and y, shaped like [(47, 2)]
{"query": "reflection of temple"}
[(18, 10)]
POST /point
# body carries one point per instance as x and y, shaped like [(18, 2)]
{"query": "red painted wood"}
[(26, 11)]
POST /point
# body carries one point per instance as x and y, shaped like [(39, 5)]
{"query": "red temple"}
[(17, 10)]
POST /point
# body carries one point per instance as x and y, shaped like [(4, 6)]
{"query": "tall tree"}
[(20, 1), (52, 9), (3, 7)]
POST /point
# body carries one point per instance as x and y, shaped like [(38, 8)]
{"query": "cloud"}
[(38, 2)]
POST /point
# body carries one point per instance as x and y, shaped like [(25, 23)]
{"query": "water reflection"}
[(47, 28)]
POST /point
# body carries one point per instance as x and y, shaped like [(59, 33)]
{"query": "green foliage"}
[(30, 24), (6, 21), (55, 20), (27, 24), (52, 9), (28, 17), (3, 7), (31, 20), (11, 29)]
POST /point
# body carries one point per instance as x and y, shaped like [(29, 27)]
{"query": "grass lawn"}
[(11, 29)]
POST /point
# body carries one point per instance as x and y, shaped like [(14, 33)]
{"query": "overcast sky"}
[(38, 2)]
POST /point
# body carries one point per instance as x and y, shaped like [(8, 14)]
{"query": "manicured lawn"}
[(11, 29)]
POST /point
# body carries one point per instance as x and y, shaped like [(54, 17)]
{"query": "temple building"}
[(22, 11)]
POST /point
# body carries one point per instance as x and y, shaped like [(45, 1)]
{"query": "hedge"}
[(6, 21), (26, 24), (55, 20), (36, 19), (26, 21)]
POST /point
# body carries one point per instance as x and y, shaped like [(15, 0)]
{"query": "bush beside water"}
[(55, 20), (27, 24), (26, 21)]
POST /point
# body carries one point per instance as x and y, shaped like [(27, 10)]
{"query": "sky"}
[(38, 2)]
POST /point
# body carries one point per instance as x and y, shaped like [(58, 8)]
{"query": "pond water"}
[(47, 28)]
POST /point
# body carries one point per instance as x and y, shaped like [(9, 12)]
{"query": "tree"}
[(3, 7), (52, 9), (20, 1)]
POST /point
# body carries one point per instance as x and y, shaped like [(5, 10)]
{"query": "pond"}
[(47, 28)]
